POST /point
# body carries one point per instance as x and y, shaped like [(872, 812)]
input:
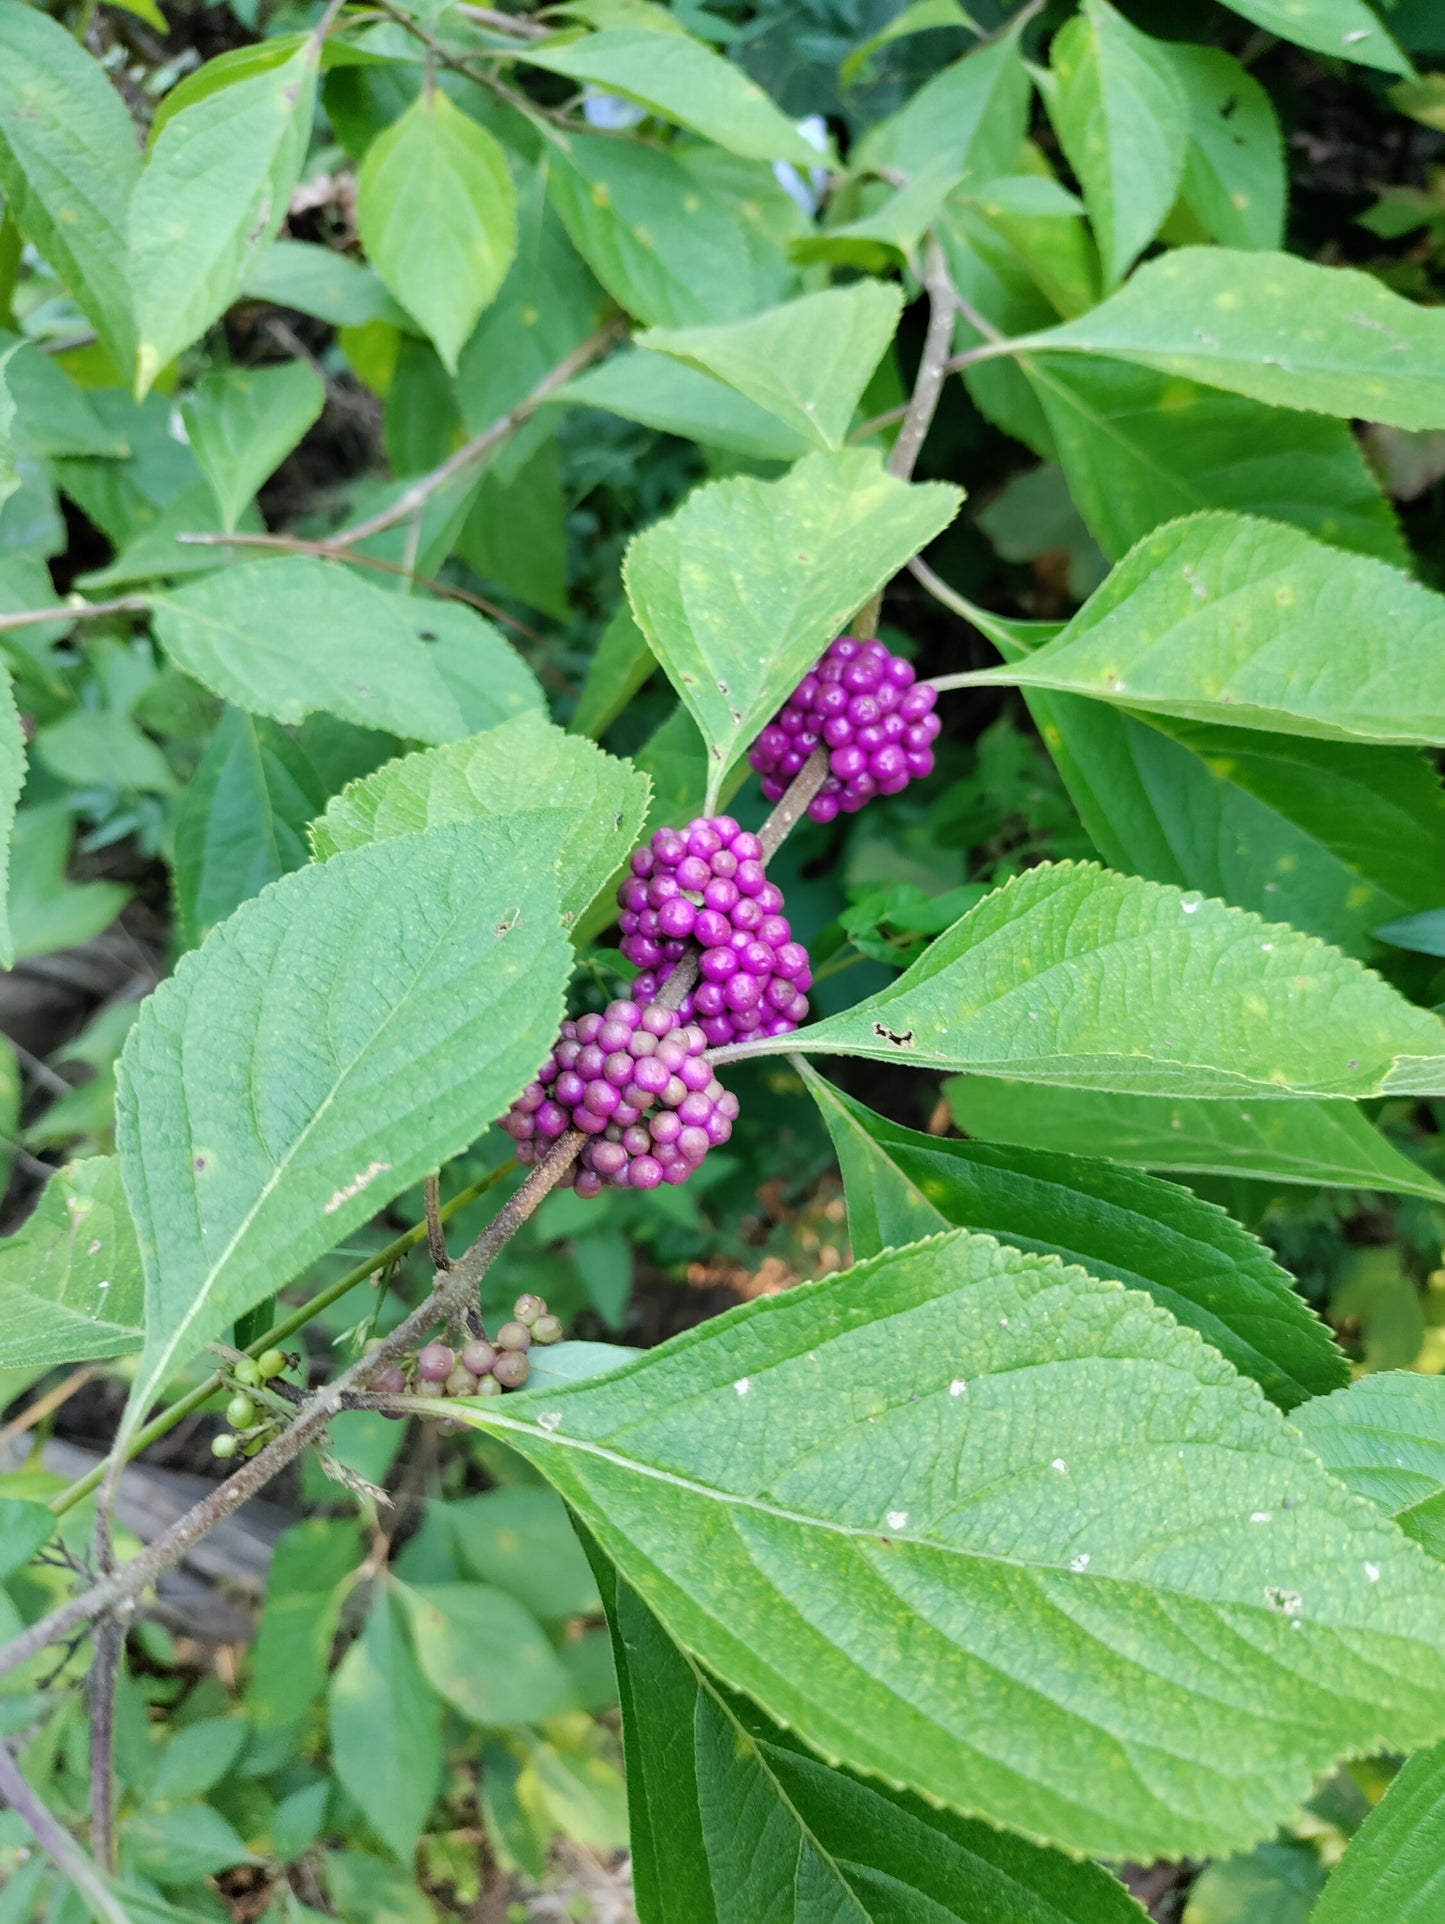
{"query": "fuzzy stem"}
[(57, 1843)]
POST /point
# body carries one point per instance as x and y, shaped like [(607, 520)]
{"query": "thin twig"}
[(57, 1843), (928, 385), (506, 22), (436, 1235), (101, 1687), (76, 611), (46, 1405), (985, 351)]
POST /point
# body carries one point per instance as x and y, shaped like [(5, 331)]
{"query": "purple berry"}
[(435, 1363), (511, 1371), (478, 1356)]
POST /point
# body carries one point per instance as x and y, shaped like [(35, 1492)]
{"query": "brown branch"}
[(436, 1235), (57, 1843), (77, 611), (506, 22), (928, 384)]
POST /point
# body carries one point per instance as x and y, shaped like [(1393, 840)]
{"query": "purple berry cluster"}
[(876, 721), (638, 1082), (706, 884), (479, 1367)]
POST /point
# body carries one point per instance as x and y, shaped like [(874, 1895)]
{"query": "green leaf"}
[(621, 665), (24, 1528), (242, 422), (1234, 175), (1074, 975), (242, 820), (1345, 28), (70, 1277), (519, 1540), (1384, 1438), (68, 165), (386, 1742), (1425, 934), (289, 637), (1328, 1144), (667, 247), (1275, 1883), (211, 196), (1189, 1256), (890, 234), (196, 1757), (485, 1654), (1223, 618), (1140, 448), (590, 804), (807, 362), (182, 1843), (380, 1011), (921, 16), (1279, 329), (1393, 1872), (52, 415), (1323, 835), (9, 479), (47, 912), (1122, 118), (319, 281), (957, 1431), (677, 399), (733, 1821), (748, 582), (972, 116), (678, 78), (437, 213), (312, 1573), (12, 780), (103, 746)]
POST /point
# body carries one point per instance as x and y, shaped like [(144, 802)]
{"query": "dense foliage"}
[(510, 776)]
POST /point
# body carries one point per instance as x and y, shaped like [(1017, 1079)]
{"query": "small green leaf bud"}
[(514, 1336), (547, 1329), (511, 1370), (240, 1412)]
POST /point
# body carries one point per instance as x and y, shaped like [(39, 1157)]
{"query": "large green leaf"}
[(485, 1653), (289, 637), (70, 1277), (386, 1741), (1123, 119), (341, 1035), (973, 117), (807, 362), (318, 280), (750, 580), (1005, 1534), (1328, 1144), (669, 395), (242, 820), (1140, 447), (1234, 174), (1074, 975), (68, 164), (1222, 618), (677, 77), (1283, 330), (1345, 28), (621, 664), (437, 212), (1394, 1869), (1150, 1235), (211, 197), (242, 422), (525, 765), (1384, 1437), (733, 1821), (665, 245), (1322, 835)]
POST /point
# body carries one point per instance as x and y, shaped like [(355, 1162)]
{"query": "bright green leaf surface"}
[(1222, 618), (1150, 1235), (621, 664), (1275, 1883), (1074, 975), (53, 417), (338, 1038), (1283, 330), (211, 196), (182, 1843), (1122, 118), (242, 422), (103, 746), (733, 1821), (9, 478), (668, 395), (484, 1653), (1140, 448), (47, 912), (318, 280), (438, 214), (1312, 1143), (70, 1276), (1394, 1869), (386, 1744), (597, 803), (24, 1528), (68, 165), (287, 638), (196, 1758), (740, 589), (312, 1573), (1424, 933), (1345, 28), (1125, 1633), (971, 116), (519, 1539), (1384, 1437), (1234, 173), (678, 78), (806, 362)]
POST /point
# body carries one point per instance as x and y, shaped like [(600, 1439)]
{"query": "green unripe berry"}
[(223, 1445), (270, 1363), (488, 1386), (514, 1336), (547, 1329), (528, 1308), (461, 1382), (511, 1370), (240, 1412), (246, 1373)]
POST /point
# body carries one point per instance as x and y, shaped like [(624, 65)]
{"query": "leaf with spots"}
[(1222, 618), (1005, 1535), (1384, 1437), (741, 589), (1073, 975), (1346, 28), (341, 1035), (70, 1276)]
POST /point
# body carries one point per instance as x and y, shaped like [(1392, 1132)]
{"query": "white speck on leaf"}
[(1060, 1465), (1289, 1602), (1262, 1516), (1081, 1561), (358, 1182), (94, 1249), (549, 1420), (897, 1519), (957, 1386), (1190, 902), (743, 1385), (1372, 1571)]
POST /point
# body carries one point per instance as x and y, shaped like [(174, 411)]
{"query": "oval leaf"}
[(1394, 1871), (1384, 1437), (70, 1276)]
